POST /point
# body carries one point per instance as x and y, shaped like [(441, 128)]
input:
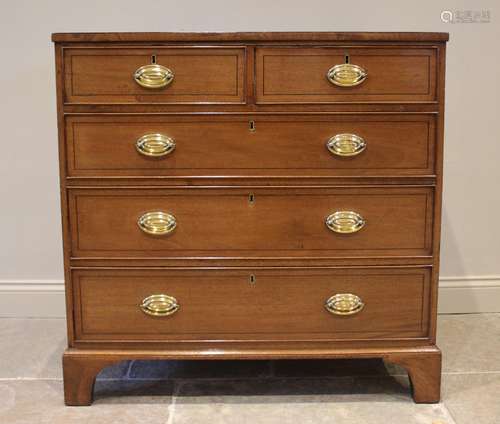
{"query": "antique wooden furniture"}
[(251, 195)]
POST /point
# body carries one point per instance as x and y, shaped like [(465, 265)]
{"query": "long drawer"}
[(154, 75), (208, 222), (321, 75), (261, 304), (286, 145)]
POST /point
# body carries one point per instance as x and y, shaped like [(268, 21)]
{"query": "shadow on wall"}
[(451, 290)]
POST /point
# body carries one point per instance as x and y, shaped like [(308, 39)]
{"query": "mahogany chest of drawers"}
[(251, 196)]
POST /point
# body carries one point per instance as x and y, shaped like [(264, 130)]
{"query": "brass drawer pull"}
[(345, 222), (153, 76), (346, 145), (159, 305), (344, 304), (346, 75), (157, 223), (155, 145)]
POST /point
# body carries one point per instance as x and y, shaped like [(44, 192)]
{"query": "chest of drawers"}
[(251, 196)]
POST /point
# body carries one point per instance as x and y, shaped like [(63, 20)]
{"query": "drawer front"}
[(279, 304), (261, 145), (255, 222), (196, 75), (299, 75)]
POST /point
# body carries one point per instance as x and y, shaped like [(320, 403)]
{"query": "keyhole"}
[(153, 59), (251, 198), (252, 279), (251, 126), (346, 58)]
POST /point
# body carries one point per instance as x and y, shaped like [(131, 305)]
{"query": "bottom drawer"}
[(257, 304)]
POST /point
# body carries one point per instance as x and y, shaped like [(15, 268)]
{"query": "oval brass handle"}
[(159, 305), (153, 76), (345, 222), (157, 223), (344, 304), (346, 145), (155, 145), (346, 75)]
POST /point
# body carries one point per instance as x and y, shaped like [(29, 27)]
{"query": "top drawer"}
[(301, 75), (191, 75)]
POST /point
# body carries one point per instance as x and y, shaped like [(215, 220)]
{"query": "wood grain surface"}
[(274, 304), (244, 145), (251, 222), (251, 261), (298, 75)]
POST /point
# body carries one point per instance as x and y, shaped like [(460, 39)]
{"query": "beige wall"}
[(30, 247)]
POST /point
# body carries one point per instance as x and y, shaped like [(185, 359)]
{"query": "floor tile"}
[(118, 370), (473, 398), (199, 369), (340, 400), (333, 391), (33, 348), (334, 368), (133, 391), (260, 369), (469, 342), (393, 388), (41, 402)]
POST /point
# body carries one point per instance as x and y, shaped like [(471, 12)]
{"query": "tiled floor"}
[(257, 392)]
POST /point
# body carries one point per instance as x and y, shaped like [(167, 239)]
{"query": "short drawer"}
[(270, 304), (373, 74), (208, 222), (154, 75), (331, 145)]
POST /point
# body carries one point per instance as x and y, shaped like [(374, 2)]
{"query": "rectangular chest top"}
[(160, 37)]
